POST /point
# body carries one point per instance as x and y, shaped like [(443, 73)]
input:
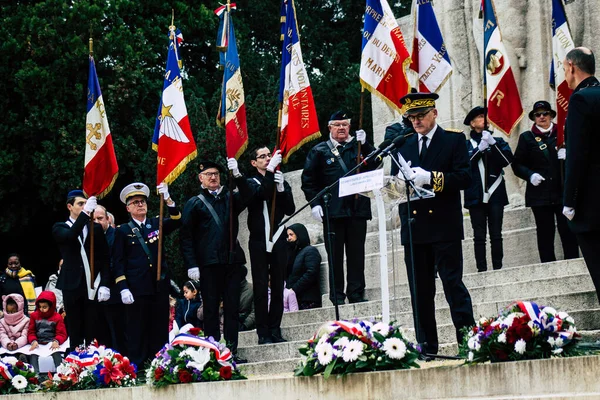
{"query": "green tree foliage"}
[(45, 70)]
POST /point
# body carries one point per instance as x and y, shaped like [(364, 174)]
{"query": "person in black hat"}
[(537, 162), (135, 259), (205, 244), (325, 164), (440, 163), (74, 241), (488, 155)]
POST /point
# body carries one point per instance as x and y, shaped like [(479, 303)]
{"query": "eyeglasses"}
[(340, 124), (263, 156), (210, 174), (137, 203), (544, 113), (417, 117)]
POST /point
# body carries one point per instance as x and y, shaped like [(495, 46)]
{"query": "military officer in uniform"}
[(268, 255), (487, 155), (134, 256), (205, 244), (74, 240), (326, 163), (582, 174), (439, 162)]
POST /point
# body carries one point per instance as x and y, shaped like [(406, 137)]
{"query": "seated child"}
[(187, 308), (14, 325), (46, 326)]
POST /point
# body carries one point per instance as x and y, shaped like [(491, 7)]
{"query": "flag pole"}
[(485, 106), (274, 200), (360, 124), (91, 227)]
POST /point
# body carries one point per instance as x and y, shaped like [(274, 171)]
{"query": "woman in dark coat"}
[(304, 278)]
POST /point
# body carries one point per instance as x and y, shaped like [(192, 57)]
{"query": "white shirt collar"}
[(137, 221), (429, 134), (336, 143), (546, 130), (218, 190)]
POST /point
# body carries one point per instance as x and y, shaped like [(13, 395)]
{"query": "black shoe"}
[(239, 360), (482, 270), (339, 302), (265, 340), (358, 300), (277, 338)]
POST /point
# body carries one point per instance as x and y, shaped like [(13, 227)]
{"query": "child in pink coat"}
[(14, 325)]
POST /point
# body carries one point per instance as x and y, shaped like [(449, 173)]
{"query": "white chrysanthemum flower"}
[(154, 362), (470, 357), (471, 333), (199, 358), (572, 328), (474, 344), (352, 351), (324, 339), (510, 318), (557, 351), (325, 354), (502, 338), (382, 328), (395, 348), (549, 310), (558, 342), (563, 315), (570, 320), (482, 320), (496, 322), (520, 346), (550, 341), (84, 374), (19, 382), (341, 344), (10, 360)]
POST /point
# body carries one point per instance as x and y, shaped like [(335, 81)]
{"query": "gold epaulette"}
[(453, 130)]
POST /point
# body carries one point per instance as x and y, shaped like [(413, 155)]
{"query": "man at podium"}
[(439, 162)]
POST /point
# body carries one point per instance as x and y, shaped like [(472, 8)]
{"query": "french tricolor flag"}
[(562, 43), (430, 59), (384, 55)]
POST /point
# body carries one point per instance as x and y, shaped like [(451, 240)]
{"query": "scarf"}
[(550, 132), (27, 280)]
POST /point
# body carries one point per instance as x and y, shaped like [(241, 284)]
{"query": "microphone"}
[(378, 150), (397, 142)]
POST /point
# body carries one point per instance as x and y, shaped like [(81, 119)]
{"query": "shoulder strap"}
[(140, 239), (212, 211), (543, 146), (336, 153)]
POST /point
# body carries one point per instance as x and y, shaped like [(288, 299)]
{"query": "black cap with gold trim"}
[(416, 102), (204, 165), (134, 189)]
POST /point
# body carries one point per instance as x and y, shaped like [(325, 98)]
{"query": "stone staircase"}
[(565, 285)]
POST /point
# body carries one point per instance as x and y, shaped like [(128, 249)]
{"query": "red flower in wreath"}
[(127, 368), (158, 373), (110, 372), (20, 364), (2, 382), (33, 380), (525, 332), (225, 372), (184, 376), (501, 355), (195, 331)]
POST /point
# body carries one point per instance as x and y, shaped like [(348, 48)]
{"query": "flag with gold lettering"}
[(299, 123), (503, 101), (173, 139), (562, 43), (384, 55), (100, 168)]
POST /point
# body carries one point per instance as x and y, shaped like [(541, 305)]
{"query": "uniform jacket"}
[(322, 168), (14, 327), (203, 242), (530, 159), (263, 191), (438, 218), (499, 156), (72, 276), (582, 174), (304, 279), (48, 326), (131, 268), (186, 312)]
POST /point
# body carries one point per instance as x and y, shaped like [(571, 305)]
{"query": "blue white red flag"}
[(100, 167), (562, 43), (173, 139), (430, 59), (503, 101), (299, 123), (232, 112), (384, 55)]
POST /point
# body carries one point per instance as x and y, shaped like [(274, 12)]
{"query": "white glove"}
[(90, 205), (483, 145), (279, 181), (409, 174), (103, 293), (317, 213), (163, 189), (361, 136), (232, 164), (536, 179), (569, 212), (562, 154), (421, 177), (487, 136), (275, 161), (194, 273), (126, 296)]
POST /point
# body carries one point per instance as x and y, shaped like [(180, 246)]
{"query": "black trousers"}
[(544, 222), (147, 326), (268, 268), (114, 314), (349, 233), (482, 216), (222, 281), (84, 318), (447, 257), (589, 242)]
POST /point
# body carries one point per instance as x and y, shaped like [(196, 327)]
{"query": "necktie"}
[(423, 149), (214, 193)]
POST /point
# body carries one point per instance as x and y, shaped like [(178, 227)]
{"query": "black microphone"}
[(397, 142), (378, 150)]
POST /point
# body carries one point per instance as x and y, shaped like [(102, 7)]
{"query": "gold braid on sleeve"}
[(438, 181)]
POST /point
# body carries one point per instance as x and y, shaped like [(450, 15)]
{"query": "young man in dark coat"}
[(582, 175), (537, 162), (440, 163), (135, 260), (268, 255), (326, 163), (488, 155), (74, 239), (305, 277), (205, 244)]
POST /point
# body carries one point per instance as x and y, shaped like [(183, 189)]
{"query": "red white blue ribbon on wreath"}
[(546, 322), (191, 340)]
